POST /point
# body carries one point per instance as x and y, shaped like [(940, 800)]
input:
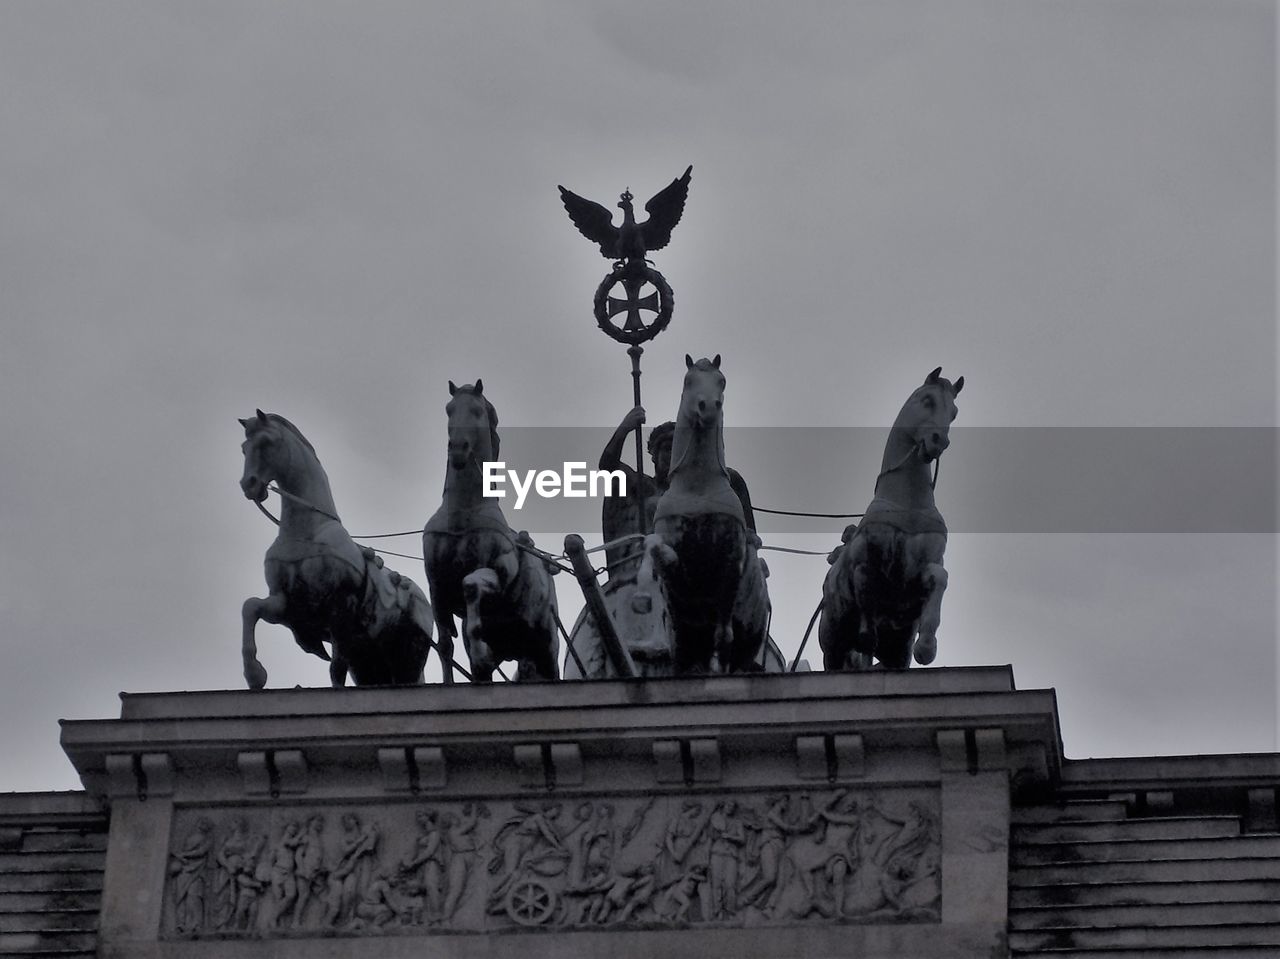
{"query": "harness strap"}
[(266, 512), (285, 494)]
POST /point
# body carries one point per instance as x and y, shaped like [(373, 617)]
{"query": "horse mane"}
[(941, 383), (490, 411), (277, 418), (681, 449)]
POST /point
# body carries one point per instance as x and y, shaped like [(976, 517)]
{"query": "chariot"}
[(686, 588)]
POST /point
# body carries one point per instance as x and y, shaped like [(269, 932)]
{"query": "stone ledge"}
[(608, 722), (567, 694), (865, 942), (1164, 772), (71, 809)]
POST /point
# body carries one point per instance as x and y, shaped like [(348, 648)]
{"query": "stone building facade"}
[(913, 814)]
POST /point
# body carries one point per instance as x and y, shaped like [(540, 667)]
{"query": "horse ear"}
[(716, 361), (933, 377), (453, 389), (957, 386), (262, 417), (479, 387), (688, 362)]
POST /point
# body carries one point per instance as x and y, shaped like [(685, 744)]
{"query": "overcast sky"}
[(328, 210)]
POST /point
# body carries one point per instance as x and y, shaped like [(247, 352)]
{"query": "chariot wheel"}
[(530, 901)]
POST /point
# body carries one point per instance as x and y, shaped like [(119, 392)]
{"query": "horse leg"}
[(834, 648), (846, 632), (338, 668), (272, 609), (859, 662), (865, 641), (843, 631), (418, 624), (543, 663), (722, 646), (445, 631), (935, 580)]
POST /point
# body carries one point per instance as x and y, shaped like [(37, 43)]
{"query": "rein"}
[(266, 512), (915, 448), (285, 494)]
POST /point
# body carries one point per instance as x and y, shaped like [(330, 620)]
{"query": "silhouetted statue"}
[(628, 245), (702, 549), (478, 568), (324, 587), (620, 515), (631, 240), (882, 597)]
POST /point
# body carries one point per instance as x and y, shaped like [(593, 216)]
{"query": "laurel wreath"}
[(666, 301)]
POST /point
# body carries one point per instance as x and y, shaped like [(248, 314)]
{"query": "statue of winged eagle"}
[(631, 240)]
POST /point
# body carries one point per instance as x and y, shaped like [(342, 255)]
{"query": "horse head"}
[(473, 426), (275, 451), (265, 457), (924, 423), (701, 413), (702, 398)]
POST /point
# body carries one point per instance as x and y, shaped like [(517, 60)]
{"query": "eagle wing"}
[(664, 212), (593, 221)]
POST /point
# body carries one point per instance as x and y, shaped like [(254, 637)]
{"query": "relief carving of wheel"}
[(530, 901)]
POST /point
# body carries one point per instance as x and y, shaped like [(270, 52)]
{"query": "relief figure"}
[(460, 831), (187, 869), (728, 835), (350, 876), (381, 903), (228, 863), (423, 868), (308, 859), (284, 884)]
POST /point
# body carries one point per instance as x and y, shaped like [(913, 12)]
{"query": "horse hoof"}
[(255, 674), (926, 650)]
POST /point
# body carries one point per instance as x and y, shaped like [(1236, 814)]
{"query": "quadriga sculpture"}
[(323, 586), (701, 548), (478, 568), (882, 597)]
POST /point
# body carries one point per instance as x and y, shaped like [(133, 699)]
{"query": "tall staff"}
[(627, 245)]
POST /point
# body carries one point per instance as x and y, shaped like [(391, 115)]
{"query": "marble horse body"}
[(478, 568), (882, 596), (323, 586), (702, 550)]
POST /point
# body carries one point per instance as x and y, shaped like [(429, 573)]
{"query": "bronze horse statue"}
[(882, 596), (324, 587), (701, 548), (478, 568)]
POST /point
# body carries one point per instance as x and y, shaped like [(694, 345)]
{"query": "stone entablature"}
[(867, 813)]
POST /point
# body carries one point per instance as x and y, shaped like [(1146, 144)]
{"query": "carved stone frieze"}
[(836, 855)]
